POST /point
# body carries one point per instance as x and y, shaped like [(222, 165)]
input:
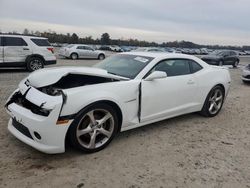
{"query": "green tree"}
[(74, 38), (26, 31), (105, 39)]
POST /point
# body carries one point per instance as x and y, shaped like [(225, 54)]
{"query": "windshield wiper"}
[(113, 73)]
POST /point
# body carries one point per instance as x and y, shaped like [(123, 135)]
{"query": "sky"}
[(222, 22)]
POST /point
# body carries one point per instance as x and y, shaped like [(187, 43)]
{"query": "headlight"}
[(247, 67)]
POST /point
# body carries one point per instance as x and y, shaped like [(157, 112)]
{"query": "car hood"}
[(47, 76)]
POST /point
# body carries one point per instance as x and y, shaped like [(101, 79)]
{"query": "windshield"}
[(70, 46), (125, 65), (218, 53), (41, 42)]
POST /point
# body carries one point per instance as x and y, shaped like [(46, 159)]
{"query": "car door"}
[(170, 96), (1, 50), (82, 51), (90, 52), (228, 59), (15, 49), (233, 57)]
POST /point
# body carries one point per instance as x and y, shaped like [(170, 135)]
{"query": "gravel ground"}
[(188, 151)]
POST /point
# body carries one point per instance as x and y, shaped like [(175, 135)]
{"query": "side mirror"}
[(156, 75)]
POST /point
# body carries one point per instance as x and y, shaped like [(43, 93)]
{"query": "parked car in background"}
[(90, 105), (246, 74), (25, 51), (242, 53), (247, 52), (115, 48), (204, 51), (178, 50), (56, 44), (150, 49), (125, 48), (75, 51), (105, 48), (169, 50), (224, 57)]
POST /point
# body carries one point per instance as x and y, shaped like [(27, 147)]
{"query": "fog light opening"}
[(37, 135)]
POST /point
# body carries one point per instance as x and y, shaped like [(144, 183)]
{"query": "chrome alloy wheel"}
[(215, 101), (95, 128), (36, 64)]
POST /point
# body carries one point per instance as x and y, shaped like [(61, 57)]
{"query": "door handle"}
[(190, 82), (26, 49)]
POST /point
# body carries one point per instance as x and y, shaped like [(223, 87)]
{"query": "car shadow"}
[(164, 124)]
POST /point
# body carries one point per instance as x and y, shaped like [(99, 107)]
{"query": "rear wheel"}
[(236, 63), (214, 102), (220, 63), (74, 56), (101, 57), (94, 128), (34, 63)]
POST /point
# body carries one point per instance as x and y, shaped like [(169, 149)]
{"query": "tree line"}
[(105, 39)]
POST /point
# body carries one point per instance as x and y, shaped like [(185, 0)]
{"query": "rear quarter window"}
[(195, 67), (41, 42)]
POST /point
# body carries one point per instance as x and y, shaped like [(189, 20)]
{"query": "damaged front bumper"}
[(34, 117)]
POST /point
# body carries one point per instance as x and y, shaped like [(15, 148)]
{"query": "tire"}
[(101, 57), (245, 82), (34, 63), (88, 134), (220, 63), (236, 63), (74, 56), (215, 100)]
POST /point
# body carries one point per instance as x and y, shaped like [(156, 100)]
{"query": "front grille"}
[(21, 128)]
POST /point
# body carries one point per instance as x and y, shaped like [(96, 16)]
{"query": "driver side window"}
[(173, 67)]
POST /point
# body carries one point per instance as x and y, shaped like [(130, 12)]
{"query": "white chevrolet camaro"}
[(91, 105)]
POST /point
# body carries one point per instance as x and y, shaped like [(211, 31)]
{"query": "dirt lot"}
[(188, 151)]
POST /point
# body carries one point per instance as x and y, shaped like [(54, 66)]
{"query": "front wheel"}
[(214, 102), (94, 128)]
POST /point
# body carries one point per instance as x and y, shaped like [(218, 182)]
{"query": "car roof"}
[(160, 55), (165, 55), (24, 36), (80, 45)]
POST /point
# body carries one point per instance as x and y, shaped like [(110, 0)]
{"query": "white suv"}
[(25, 51), (75, 51)]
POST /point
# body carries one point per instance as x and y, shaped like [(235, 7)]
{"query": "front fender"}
[(124, 94)]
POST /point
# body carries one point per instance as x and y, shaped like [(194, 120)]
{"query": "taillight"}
[(51, 49)]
